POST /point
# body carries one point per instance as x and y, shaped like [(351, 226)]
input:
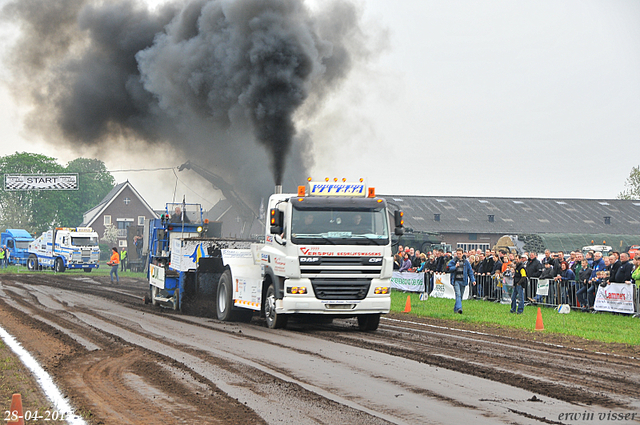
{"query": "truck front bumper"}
[(309, 304), (83, 266)]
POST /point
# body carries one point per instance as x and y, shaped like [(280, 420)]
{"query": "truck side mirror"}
[(276, 218), (398, 217)]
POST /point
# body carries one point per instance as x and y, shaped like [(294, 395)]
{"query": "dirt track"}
[(123, 362)]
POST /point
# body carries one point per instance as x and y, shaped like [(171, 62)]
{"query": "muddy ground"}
[(121, 362)]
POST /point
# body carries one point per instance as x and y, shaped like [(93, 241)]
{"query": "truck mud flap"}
[(210, 265)]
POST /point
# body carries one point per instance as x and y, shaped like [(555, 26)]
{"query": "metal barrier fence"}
[(574, 293)]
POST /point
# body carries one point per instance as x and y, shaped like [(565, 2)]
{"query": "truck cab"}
[(328, 251), (17, 242)]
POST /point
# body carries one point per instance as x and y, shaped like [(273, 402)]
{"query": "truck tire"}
[(368, 322), (32, 263), (224, 301), (153, 293), (176, 302), (59, 266), (274, 320)]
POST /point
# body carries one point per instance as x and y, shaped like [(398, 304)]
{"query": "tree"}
[(94, 183), (35, 211), (632, 185), (40, 210)]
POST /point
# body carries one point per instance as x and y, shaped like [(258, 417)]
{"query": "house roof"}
[(232, 225), (91, 215), (518, 215)]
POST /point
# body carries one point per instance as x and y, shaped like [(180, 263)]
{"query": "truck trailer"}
[(326, 251), (65, 248), (17, 242)]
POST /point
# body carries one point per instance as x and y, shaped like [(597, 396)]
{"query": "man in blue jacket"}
[(598, 265), (461, 275)]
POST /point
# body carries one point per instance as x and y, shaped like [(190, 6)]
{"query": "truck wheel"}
[(223, 299), (274, 320), (32, 263), (59, 267), (368, 322), (153, 293), (176, 302)]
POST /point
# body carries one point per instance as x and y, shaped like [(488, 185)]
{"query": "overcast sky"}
[(462, 98)]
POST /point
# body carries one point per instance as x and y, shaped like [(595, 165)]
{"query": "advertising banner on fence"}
[(442, 287), (41, 182), (543, 287), (408, 282), (616, 297)]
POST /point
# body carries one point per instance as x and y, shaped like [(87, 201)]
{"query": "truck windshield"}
[(22, 244), (84, 241), (339, 227)]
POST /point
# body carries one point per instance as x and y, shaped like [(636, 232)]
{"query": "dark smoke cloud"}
[(209, 77)]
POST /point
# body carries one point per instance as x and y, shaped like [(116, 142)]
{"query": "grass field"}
[(603, 327), (103, 270)]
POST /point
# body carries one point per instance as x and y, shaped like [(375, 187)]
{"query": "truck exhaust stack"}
[(278, 189)]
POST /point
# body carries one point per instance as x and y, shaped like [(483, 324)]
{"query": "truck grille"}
[(340, 289), (335, 267)]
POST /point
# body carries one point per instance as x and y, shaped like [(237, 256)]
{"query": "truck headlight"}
[(297, 290)]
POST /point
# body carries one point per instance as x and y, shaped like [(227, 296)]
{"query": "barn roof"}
[(456, 214)]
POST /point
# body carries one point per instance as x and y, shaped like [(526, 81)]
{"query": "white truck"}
[(65, 248), (327, 251)]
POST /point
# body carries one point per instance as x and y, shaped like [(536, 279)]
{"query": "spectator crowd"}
[(573, 278)]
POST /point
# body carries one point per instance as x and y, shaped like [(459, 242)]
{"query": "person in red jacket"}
[(114, 262)]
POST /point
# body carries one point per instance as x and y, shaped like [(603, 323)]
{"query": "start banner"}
[(442, 287), (616, 297), (408, 282), (41, 182)]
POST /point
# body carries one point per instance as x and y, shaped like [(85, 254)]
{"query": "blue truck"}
[(17, 242)]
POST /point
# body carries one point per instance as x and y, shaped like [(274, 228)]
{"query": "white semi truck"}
[(65, 248), (326, 251)]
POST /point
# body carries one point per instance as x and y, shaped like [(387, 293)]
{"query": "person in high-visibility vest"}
[(3, 259), (114, 262), (123, 259)]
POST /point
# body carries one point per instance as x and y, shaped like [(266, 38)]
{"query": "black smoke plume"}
[(207, 77)]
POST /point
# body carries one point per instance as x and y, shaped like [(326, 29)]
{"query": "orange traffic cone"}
[(407, 305), (539, 324), (16, 411)]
